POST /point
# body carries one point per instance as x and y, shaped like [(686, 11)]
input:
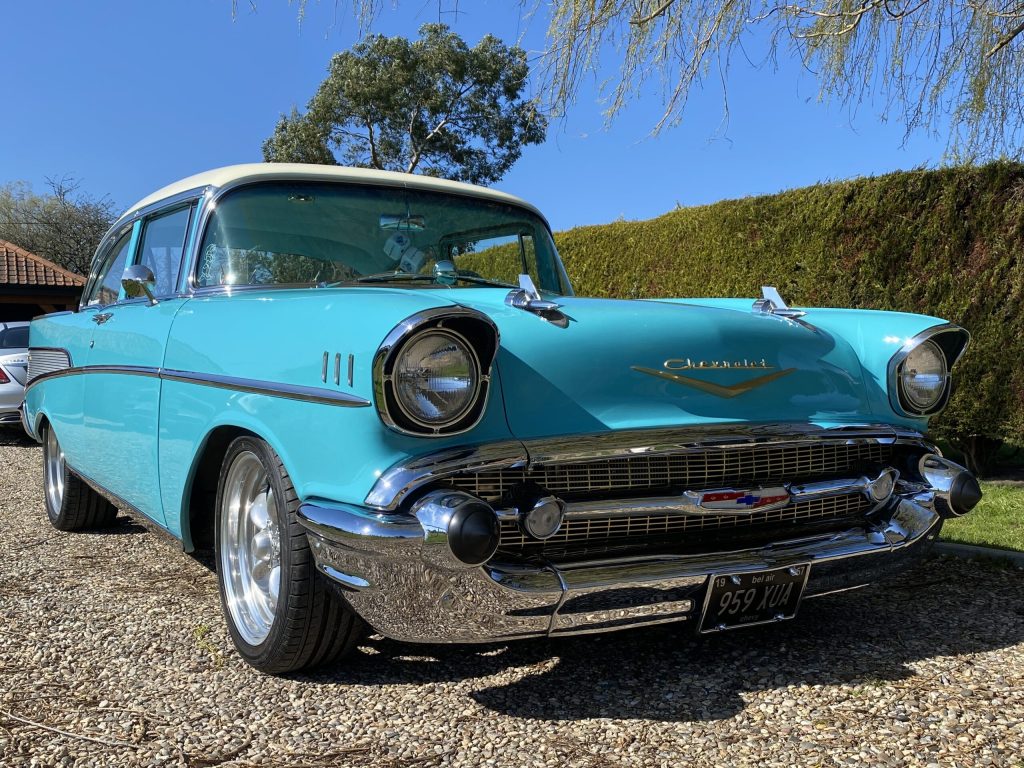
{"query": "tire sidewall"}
[(53, 514), (264, 654)]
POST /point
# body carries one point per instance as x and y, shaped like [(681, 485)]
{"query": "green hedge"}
[(945, 243)]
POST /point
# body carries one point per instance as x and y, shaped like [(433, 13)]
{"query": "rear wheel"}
[(71, 504), (281, 614)]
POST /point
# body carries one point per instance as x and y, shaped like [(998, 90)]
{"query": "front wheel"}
[(281, 615), (71, 504)]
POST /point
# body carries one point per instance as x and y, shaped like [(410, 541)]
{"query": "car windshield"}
[(320, 233), (14, 338)]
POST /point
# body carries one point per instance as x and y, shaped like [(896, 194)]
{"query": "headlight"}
[(923, 377), (432, 372), (436, 378)]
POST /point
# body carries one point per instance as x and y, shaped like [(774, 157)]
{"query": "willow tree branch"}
[(1005, 40), (639, 22)]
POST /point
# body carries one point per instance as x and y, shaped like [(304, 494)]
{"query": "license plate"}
[(744, 599)]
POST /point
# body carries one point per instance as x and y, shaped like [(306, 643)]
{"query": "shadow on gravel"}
[(16, 437), (864, 638), (124, 525)]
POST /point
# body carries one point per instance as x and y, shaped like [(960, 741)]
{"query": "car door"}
[(64, 339), (122, 393)]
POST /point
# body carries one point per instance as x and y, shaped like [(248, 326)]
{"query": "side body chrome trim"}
[(395, 483), (270, 388), (274, 389)]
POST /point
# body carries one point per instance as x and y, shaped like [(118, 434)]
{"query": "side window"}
[(163, 243), (107, 287)]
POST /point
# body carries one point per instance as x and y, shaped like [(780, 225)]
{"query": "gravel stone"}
[(113, 653)]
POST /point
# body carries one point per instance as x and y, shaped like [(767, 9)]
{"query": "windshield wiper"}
[(388, 277), (407, 277)]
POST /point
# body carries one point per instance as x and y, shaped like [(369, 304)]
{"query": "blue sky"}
[(129, 96)]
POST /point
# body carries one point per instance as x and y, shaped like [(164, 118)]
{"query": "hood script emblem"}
[(718, 390)]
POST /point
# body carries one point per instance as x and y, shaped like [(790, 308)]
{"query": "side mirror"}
[(138, 280)]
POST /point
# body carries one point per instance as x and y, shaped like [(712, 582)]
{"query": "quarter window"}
[(107, 288), (163, 243)]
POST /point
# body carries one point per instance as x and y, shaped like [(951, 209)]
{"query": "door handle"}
[(102, 317)]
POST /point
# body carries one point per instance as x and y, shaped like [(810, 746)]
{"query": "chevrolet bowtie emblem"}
[(718, 390), (736, 502)]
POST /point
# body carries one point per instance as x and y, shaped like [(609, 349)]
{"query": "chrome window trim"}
[(892, 374), (193, 197), (192, 202), (207, 197), (396, 483), (113, 236), (400, 335), (212, 196), (252, 386)]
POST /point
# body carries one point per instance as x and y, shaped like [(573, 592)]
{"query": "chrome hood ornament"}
[(771, 303), (528, 298)]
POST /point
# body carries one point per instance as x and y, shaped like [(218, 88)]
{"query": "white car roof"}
[(232, 175)]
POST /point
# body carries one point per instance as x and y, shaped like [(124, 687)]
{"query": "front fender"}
[(331, 451), (873, 336)]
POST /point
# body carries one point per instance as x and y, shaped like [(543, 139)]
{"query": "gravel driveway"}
[(112, 652)]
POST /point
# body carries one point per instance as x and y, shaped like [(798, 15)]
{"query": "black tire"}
[(74, 506), (311, 624)]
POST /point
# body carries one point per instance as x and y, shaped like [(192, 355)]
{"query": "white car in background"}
[(13, 370)]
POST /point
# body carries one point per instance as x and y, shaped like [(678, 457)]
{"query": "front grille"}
[(694, 470), (682, 528)]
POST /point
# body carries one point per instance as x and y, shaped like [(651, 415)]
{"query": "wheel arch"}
[(197, 519)]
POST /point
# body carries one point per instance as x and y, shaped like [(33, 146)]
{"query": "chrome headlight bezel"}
[(950, 342), (473, 364), (473, 330)]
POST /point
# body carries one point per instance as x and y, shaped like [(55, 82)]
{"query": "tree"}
[(923, 62), (433, 106), (65, 226)]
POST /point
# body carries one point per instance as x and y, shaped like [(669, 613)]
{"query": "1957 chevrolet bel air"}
[(377, 398)]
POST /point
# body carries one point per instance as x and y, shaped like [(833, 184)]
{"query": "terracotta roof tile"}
[(19, 267)]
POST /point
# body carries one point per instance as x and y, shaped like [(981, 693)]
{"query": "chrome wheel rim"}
[(250, 551), (54, 471)]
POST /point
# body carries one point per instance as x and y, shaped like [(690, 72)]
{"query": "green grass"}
[(998, 521)]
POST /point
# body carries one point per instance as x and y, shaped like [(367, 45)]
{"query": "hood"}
[(622, 364)]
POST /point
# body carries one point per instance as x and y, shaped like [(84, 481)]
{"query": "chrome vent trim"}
[(46, 360)]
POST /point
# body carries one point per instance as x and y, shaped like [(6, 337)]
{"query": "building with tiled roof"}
[(30, 285)]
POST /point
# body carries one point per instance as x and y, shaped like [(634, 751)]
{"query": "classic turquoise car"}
[(377, 399)]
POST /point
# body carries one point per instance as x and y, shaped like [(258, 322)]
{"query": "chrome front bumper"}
[(394, 572)]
